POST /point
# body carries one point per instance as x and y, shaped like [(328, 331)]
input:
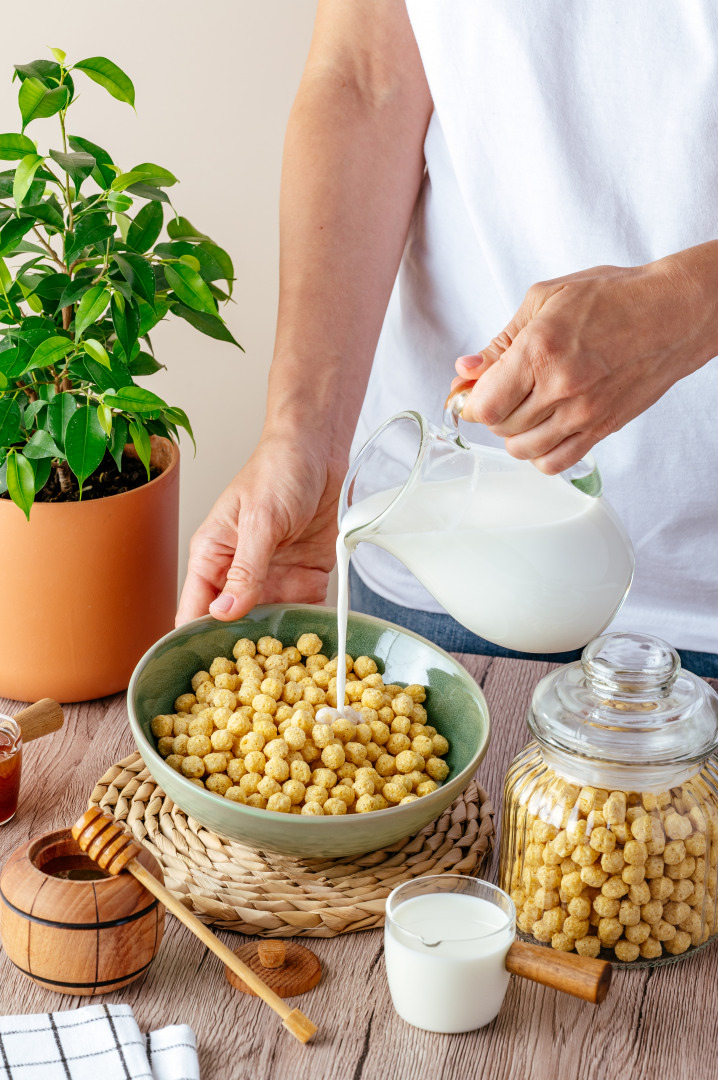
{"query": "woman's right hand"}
[(271, 535)]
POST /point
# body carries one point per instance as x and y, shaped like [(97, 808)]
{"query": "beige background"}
[(214, 83)]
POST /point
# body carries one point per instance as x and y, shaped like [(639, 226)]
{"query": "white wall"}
[(214, 83)]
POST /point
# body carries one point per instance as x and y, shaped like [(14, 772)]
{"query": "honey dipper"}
[(114, 850)]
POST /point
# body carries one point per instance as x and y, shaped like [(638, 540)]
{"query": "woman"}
[(442, 162)]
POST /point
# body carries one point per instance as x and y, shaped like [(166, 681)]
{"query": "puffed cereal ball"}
[(294, 737), (235, 794), (239, 724), (198, 678), (426, 787), (295, 790), (162, 726), (257, 801), (394, 793), (165, 745), (403, 705), (255, 761), (249, 783), (175, 761), (325, 778), (280, 803), (309, 644), (277, 665), (193, 766), (277, 748), (345, 792), (269, 646), (268, 786), (244, 647), (335, 806), (222, 740), (219, 783), (316, 793), (333, 756), (385, 764), (313, 809), (215, 763), (436, 768), (277, 768), (199, 745), (236, 770), (251, 741), (408, 760)]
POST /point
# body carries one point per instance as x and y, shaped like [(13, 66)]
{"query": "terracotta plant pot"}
[(87, 587)]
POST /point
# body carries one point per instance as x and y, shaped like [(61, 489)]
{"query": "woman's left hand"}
[(586, 353)]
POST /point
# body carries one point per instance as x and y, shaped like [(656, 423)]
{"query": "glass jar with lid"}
[(610, 818)]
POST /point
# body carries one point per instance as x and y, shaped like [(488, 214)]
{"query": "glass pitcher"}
[(532, 562)]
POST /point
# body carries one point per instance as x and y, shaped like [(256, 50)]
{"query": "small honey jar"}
[(10, 767)]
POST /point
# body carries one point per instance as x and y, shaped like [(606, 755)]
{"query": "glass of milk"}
[(445, 943)]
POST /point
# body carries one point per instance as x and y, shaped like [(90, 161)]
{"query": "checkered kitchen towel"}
[(96, 1041)]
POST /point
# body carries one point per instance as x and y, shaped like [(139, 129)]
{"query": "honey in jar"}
[(10, 766)]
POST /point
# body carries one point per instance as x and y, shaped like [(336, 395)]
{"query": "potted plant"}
[(89, 477)]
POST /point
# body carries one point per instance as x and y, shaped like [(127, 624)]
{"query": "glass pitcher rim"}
[(424, 433)]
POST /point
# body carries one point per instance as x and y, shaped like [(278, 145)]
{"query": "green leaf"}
[(41, 445), (150, 318), (221, 259), (59, 54), (139, 273), (117, 377), (24, 176), (135, 399), (120, 434), (13, 147), (91, 229), (190, 260), (12, 233), (32, 410), (77, 165), (119, 203), (59, 412), (142, 443), (47, 72), (190, 288), (36, 101), (49, 352), (97, 352), (104, 415), (21, 482), (5, 277), (155, 175), (115, 81), (75, 289), (126, 321), (102, 174), (146, 227), (90, 308), (211, 325), (178, 416), (144, 364), (180, 227), (85, 442), (12, 362), (9, 421), (146, 191), (41, 467), (47, 212)]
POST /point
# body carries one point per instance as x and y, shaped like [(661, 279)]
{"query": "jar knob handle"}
[(453, 407)]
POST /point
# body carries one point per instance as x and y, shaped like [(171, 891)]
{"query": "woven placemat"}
[(268, 895)]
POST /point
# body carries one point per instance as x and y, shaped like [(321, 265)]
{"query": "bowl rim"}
[(327, 821)]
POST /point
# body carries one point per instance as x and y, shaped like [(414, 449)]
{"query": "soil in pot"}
[(105, 481)]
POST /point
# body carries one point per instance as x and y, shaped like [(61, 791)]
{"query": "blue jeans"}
[(452, 636)]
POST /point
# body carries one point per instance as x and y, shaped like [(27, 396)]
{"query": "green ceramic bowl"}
[(455, 704)]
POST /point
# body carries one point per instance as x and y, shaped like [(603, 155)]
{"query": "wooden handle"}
[(42, 718), (295, 1021), (578, 975)]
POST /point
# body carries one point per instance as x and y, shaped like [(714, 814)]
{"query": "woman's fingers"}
[(500, 390)]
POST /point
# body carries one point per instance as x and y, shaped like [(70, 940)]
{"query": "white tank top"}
[(565, 136)]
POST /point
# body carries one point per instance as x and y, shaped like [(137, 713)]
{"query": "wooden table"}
[(654, 1024)]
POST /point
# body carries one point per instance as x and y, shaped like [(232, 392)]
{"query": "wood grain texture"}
[(653, 1024), (293, 971)]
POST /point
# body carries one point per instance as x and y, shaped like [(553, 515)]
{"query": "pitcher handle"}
[(584, 475)]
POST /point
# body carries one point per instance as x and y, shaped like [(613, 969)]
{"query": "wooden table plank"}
[(653, 1024)]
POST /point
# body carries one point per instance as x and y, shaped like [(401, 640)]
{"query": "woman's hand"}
[(587, 353), (271, 535)]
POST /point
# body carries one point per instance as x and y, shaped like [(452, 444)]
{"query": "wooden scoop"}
[(114, 850), (42, 718), (578, 975)]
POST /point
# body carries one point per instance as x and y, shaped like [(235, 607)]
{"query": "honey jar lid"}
[(628, 703)]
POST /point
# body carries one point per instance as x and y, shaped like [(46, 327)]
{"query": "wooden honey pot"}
[(71, 927)]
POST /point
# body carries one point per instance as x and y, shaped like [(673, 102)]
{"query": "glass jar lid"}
[(628, 703)]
